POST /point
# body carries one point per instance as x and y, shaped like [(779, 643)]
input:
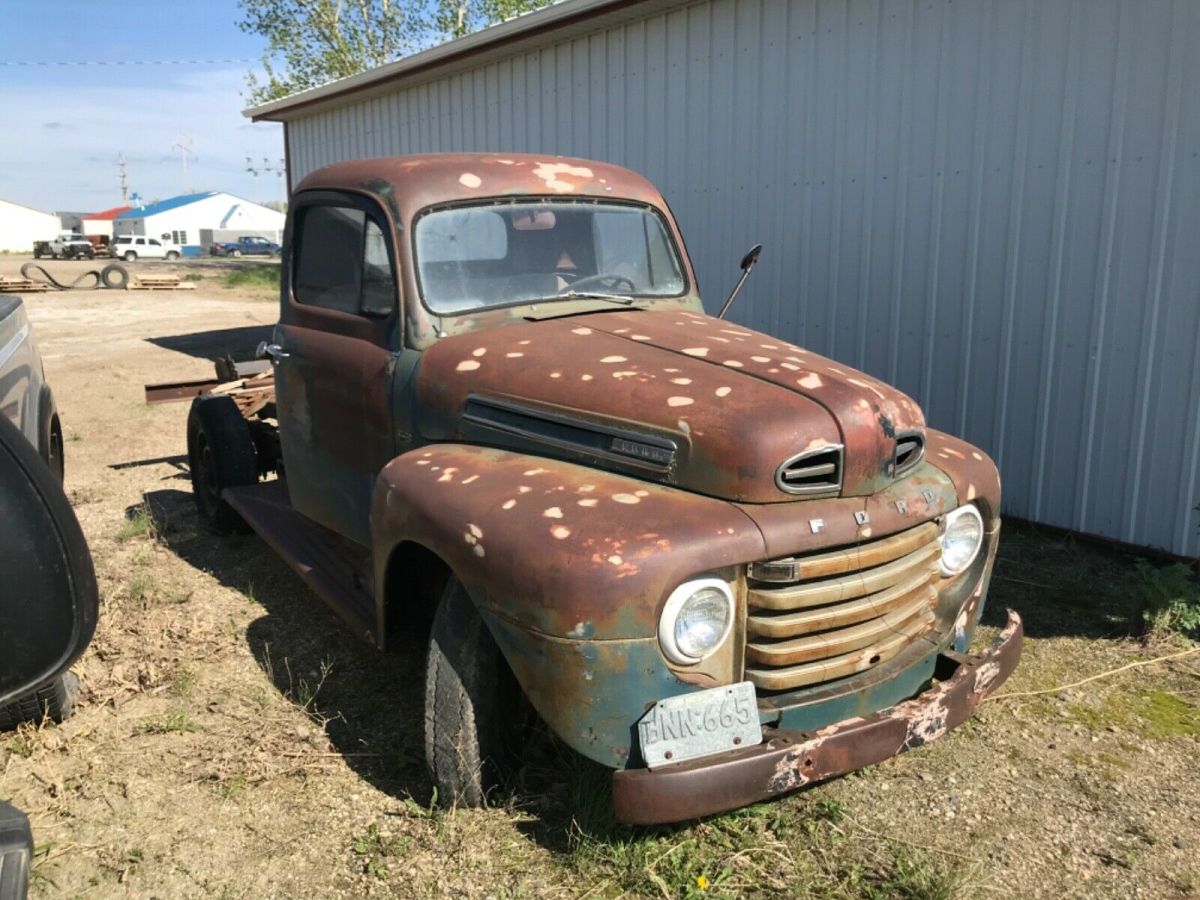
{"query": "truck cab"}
[(718, 563)]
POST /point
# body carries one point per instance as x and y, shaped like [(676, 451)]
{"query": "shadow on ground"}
[(370, 703), (240, 343), (1065, 586)]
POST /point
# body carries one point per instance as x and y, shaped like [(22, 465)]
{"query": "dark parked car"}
[(48, 608), (246, 246)]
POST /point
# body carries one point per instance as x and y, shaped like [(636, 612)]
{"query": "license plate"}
[(700, 724)]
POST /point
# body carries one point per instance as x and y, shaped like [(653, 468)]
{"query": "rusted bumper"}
[(788, 760)]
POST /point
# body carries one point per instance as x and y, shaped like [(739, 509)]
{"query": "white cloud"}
[(61, 143)]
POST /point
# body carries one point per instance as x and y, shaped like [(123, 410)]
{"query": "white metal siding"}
[(992, 204)]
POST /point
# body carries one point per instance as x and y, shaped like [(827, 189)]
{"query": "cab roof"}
[(408, 184)]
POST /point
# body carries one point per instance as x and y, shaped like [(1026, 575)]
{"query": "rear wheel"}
[(172, 255), (235, 252), (473, 704), (130, 256), (54, 700), (221, 454)]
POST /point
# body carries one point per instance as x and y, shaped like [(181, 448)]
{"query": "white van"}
[(134, 246)]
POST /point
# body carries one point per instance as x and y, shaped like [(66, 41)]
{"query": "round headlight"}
[(696, 619), (962, 536)]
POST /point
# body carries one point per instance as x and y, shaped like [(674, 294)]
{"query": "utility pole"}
[(184, 146), (281, 171), (124, 181), (253, 171)]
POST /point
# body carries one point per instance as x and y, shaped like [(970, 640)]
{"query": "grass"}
[(173, 722), (374, 849), (138, 523), (1172, 598), (260, 275)]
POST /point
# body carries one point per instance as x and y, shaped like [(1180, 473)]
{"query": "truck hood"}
[(672, 396)]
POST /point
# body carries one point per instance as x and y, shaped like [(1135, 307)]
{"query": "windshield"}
[(501, 254)]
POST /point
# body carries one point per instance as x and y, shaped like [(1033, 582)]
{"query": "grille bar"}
[(848, 611)]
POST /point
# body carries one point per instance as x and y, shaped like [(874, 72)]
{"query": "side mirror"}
[(48, 596), (751, 257)]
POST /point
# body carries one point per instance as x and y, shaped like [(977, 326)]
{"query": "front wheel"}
[(236, 253), (221, 454), (172, 255), (473, 704)]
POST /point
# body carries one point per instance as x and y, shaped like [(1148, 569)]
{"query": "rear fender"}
[(569, 566)]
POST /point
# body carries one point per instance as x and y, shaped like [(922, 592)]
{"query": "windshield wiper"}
[(623, 299)]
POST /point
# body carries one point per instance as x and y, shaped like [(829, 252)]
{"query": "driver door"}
[(334, 357)]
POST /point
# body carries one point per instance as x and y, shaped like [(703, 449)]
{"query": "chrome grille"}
[(813, 472), (844, 612)]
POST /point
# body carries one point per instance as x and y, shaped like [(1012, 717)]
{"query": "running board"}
[(334, 567)]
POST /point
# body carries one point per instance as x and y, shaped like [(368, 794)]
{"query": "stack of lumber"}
[(9, 284), (159, 283)]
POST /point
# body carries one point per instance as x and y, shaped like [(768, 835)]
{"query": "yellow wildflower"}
[(702, 882)]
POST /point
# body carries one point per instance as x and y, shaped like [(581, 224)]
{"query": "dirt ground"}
[(232, 740)]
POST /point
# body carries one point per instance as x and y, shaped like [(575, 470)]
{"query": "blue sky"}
[(66, 124)]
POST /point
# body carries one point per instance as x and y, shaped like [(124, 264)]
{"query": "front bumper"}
[(788, 760)]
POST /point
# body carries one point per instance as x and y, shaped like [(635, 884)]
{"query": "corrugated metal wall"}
[(993, 205)]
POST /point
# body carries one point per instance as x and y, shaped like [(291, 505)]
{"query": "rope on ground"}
[(113, 276), (1110, 672)]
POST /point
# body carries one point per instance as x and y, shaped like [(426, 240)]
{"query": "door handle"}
[(272, 351)]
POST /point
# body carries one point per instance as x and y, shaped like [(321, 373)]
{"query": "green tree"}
[(313, 42)]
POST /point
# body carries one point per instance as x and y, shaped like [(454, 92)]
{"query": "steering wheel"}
[(612, 283)]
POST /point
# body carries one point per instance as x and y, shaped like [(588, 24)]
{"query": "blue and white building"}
[(197, 220)]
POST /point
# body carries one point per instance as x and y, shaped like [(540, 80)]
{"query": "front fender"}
[(570, 568), (568, 551)]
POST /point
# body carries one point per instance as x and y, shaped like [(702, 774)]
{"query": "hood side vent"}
[(494, 421), (813, 472), (910, 450)]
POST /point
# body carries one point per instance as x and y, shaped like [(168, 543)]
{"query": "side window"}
[(341, 261), (154, 243)]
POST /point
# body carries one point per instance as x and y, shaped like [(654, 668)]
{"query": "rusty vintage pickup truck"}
[(720, 564)]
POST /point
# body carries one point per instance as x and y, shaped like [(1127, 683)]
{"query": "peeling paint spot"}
[(696, 351), (475, 529), (732, 363), (553, 513), (479, 351), (615, 560), (680, 401), (479, 550), (556, 374), (586, 488), (761, 359), (585, 377), (640, 337), (508, 504), (524, 489), (811, 381), (791, 367), (469, 179), (514, 354), (467, 365), (581, 331), (588, 502), (619, 375), (448, 474), (551, 172), (723, 391), (681, 381), (626, 498), (971, 493), (560, 532), (534, 472), (422, 462), (469, 480), (608, 360), (641, 493)]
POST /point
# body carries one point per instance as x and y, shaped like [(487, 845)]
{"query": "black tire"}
[(172, 255), (473, 705), (115, 276), (130, 256), (221, 454), (55, 700)]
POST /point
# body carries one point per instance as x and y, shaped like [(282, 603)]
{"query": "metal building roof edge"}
[(552, 17)]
